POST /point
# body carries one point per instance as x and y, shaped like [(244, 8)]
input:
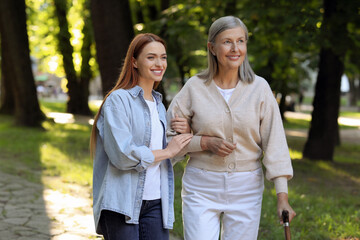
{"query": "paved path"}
[(30, 212)]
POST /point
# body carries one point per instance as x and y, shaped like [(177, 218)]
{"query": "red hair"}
[(129, 76)]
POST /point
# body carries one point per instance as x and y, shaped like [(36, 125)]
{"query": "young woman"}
[(133, 178), (236, 123)]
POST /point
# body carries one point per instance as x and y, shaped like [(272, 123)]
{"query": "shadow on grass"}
[(326, 197), (22, 202), (324, 194), (66, 153)]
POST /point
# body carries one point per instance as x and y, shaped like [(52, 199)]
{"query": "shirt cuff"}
[(281, 185)]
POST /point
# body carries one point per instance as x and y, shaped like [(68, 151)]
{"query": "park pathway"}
[(28, 211)]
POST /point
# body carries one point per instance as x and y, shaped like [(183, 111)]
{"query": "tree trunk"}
[(352, 91), (138, 13), (230, 8), (282, 105), (152, 10), (324, 130), (358, 86), (358, 89), (76, 104), (86, 73), (113, 31), (165, 4), (182, 74), (161, 90), (14, 34), (7, 97)]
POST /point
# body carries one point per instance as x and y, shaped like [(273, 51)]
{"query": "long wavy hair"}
[(246, 74), (129, 76)]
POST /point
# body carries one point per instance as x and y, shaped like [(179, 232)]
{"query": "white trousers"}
[(230, 199)]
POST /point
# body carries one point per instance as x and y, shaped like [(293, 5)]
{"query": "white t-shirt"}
[(226, 93), (152, 180)]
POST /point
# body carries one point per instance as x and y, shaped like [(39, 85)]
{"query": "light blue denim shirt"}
[(123, 154)]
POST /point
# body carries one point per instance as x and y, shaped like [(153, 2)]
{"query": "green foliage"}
[(282, 46), (181, 25), (43, 28), (284, 35)]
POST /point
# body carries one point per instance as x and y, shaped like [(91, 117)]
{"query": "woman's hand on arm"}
[(283, 204), (180, 124), (217, 145), (176, 144)]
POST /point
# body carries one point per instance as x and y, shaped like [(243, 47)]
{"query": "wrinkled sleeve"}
[(276, 153), (119, 146)]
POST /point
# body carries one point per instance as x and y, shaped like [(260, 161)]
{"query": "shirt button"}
[(227, 110), (231, 166)]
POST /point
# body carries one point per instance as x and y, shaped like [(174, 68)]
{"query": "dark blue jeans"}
[(150, 225)]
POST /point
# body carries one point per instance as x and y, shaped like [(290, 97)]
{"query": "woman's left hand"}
[(180, 124), (283, 204)]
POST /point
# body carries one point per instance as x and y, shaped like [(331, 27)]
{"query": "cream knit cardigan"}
[(251, 119)]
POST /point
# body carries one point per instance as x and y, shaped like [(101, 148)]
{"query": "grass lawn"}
[(325, 195), (59, 150), (350, 114)]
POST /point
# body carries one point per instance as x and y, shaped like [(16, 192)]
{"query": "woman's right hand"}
[(217, 145), (177, 143), (180, 124)]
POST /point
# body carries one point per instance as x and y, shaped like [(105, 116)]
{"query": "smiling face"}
[(151, 62), (229, 48)]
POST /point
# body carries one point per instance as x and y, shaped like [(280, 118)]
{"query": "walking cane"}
[(285, 217)]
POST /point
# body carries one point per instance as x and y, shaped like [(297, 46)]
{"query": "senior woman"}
[(237, 127)]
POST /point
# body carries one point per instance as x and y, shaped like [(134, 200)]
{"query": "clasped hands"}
[(216, 145)]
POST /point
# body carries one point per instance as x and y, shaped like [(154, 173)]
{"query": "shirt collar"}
[(137, 90)]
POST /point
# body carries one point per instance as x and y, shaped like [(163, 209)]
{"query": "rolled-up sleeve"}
[(118, 139)]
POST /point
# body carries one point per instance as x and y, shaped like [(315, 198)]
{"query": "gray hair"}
[(246, 74)]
